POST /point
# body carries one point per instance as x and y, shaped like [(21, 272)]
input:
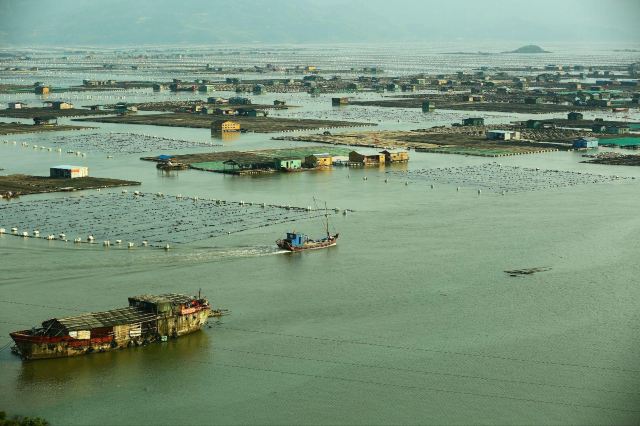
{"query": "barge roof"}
[(103, 319), (163, 298)]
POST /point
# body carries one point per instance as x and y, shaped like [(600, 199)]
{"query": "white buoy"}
[(166, 247), (36, 233), (479, 191), (51, 237), (106, 243), (90, 238), (118, 241), (2, 231), (458, 189), (14, 230), (145, 243), (130, 244), (77, 240), (25, 234)]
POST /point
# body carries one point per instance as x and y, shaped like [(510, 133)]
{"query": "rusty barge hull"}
[(148, 319)]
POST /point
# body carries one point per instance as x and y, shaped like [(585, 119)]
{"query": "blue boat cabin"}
[(296, 240)]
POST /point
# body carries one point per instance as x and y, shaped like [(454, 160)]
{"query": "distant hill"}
[(529, 48)]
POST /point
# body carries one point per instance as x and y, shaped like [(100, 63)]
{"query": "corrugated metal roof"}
[(104, 319), (163, 298)]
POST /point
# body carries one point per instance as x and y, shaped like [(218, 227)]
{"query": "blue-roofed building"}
[(585, 143)]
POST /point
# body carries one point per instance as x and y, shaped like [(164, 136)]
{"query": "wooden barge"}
[(148, 318)]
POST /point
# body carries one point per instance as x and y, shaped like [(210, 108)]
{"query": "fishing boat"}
[(296, 241)]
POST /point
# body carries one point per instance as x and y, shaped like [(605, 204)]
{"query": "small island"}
[(530, 48)]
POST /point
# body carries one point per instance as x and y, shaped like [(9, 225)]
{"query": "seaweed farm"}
[(120, 143), (500, 178), (141, 219)]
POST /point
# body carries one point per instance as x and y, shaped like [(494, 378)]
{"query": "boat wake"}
[(203, 254)]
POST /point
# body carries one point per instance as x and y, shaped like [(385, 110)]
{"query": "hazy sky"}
[(136, 22)]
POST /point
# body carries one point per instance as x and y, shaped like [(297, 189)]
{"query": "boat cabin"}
[(296, 239)]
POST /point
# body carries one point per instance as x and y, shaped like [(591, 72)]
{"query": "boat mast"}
[(326, 218)]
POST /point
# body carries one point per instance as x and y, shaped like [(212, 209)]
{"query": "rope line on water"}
[(436, 373), (422, 388), (440, 351)]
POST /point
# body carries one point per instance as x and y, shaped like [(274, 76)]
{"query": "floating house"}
[(41, 89), (533, 124), (339, 101), (248, 112), (427, 106), (395, 156), (61, 105), (45, 121), (239, 101), (473, 121), (217, 100), (503, 135), (68, 172), (204, 88), (225, 126), (532, 100), (123, 108), (318, 160), (259, 89), (17, 105), (288, 163), (366, 160), (585, 143), (618, 130)]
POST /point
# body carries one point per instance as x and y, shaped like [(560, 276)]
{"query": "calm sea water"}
[(410, 319)]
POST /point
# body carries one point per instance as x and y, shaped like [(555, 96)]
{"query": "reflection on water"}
[(82, 371), (226, 136)]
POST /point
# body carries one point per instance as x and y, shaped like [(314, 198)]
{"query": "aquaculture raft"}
[(148, 318)]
